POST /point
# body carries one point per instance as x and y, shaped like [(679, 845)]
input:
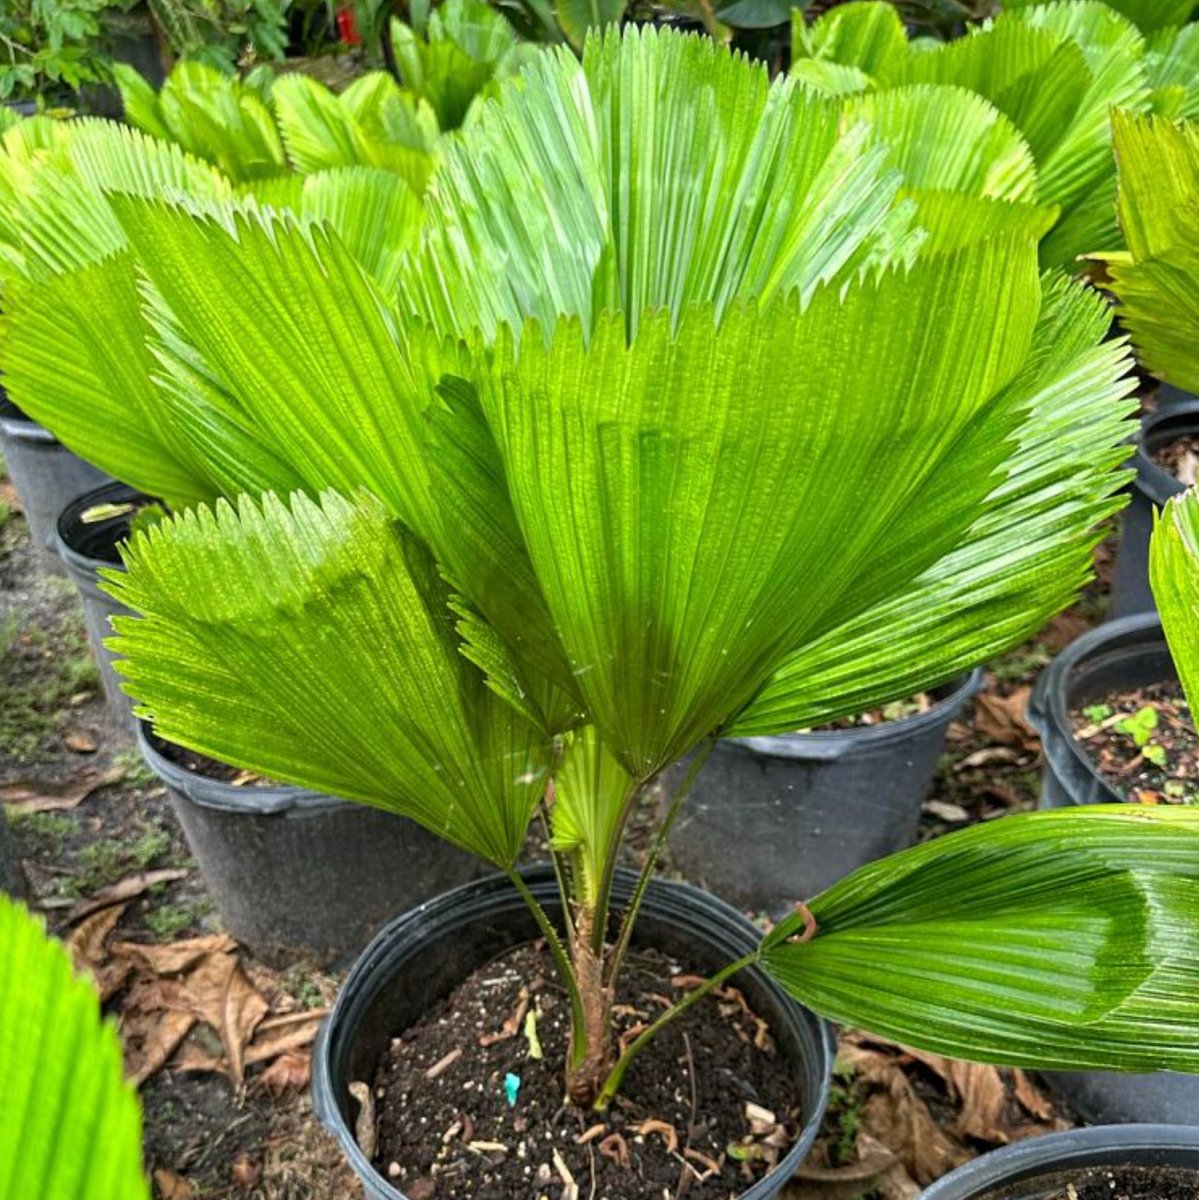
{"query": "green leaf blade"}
[(72, 1127), (1046, 940)]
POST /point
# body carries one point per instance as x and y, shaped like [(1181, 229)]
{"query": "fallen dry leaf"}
[(283, 1036), (39, 795), (80, 742), (173, 958), (984, 1099), (170, 1186), (87, 940), (128, 888), (946, 810), (1001, 718), (986, 756), (1031, 1099), (89, 951), (217, 991), (151, 1038), (289, 1072), (896, 1117)]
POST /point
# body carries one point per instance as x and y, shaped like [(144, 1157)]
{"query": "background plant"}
[(51, 48), (550, 516), (1056, 70), (223, 33), (263, 128), (1157, 279)]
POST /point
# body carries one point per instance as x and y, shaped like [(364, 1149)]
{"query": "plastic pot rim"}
[(214, 794), (366, 978), (70, 523), (1048, 711), (1152, 481), (16, 425), (1056, 1152), (828, 745)]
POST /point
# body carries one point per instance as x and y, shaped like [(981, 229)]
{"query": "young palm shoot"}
[(680, 425)]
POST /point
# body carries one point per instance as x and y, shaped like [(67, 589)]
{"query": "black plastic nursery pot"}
[(45, 474), (1121, 655), (771, 820), (1177, 416), (423, 955), (10, 880), (85, 548), (1039, 1168), (296, 872), (1117, 656)]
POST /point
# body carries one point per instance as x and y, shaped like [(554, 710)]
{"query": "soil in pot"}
[(211, 768), (1180, 458), (1143, 743), (897, 710), (466, 1108), (1110, 1183)]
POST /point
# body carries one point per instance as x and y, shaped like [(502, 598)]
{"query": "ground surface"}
[(220, 1042)]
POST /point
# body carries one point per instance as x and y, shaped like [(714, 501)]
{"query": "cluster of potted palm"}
[(548, 516), (691, 406), (1055, 70)]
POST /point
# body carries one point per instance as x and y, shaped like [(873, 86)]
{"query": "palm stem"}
[(651, 860), (616, 1075), (603, 891), (559, 875), (561, 961)]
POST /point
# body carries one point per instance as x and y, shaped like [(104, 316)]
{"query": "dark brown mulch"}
[(1144, 743), (1130, 1183), (210, 768), (456, 1135), (1179, 457)]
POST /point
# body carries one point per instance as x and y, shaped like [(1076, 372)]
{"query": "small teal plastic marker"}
[(511, 1088)]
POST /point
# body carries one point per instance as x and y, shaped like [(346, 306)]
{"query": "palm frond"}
[(1157, 281), (333, 596), (71, 1127)]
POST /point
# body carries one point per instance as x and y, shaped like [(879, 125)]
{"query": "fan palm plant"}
[(1055, 69), (677, 424), (264, 127)]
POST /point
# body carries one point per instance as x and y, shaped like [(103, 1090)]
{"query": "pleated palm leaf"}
[(1157, 279), (210, 114), (1055, 69), (687, 429), (65, 251), (452, 55), (1174, 575), (264, 128)]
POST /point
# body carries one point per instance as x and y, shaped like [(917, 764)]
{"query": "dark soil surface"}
[(209, 768), (1180, 458), (680, 1125), (1130, 1183), (912, 706), (1144, 743)]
